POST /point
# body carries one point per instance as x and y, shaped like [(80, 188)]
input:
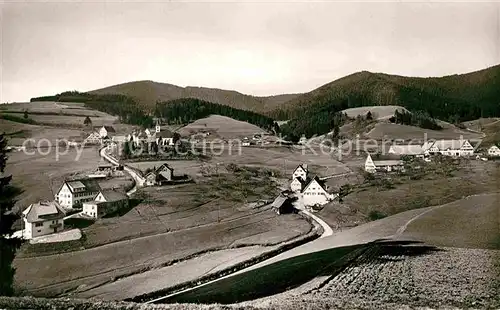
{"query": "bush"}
[(376, 215), (17, 119)]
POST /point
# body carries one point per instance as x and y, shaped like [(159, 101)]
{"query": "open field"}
[(70, 120), (284, 159), (46, 275), (222, 127), (492, 134), (416, 276), (397, 131), (10, 127), (39, 176), (378, 112), (479, 124), (344, 268), (280, 159), (52, 107), (441, 184), (171, 223), (473, 222), (19, 132), (155, 280)]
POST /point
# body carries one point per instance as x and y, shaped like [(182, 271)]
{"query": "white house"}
[(494, 151), (73, 193), (42, 218), (298, 184), (407, 149), (106, 202), (93, 138), (106, 131), (315, 193), (452, 148), (385, 163), (300, 172)]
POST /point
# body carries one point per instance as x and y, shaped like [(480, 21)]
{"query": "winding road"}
[(139, 180), (387, 228)]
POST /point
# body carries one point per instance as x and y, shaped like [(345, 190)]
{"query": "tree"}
[(176, 137), (336, 131), (87, 121), (8, 246), (26, 116), (369, 116), (127, 152)]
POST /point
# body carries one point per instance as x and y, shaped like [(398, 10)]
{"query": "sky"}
[(257, 47)]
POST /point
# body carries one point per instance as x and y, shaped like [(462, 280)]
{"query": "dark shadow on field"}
[(78, 222), (132, 203), (290, 273)]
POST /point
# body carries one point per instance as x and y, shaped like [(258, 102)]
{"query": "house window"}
[(39, 225)]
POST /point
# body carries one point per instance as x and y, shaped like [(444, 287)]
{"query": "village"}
[(82, 197)]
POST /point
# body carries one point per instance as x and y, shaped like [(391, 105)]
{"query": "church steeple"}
[(157, 128)]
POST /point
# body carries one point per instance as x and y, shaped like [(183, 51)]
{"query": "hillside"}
[(455, 97), (147, 93), (378, 112)]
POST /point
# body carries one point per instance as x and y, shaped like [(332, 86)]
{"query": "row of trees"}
[(418, 118), (185, 110), (8, 246), (318, 120)]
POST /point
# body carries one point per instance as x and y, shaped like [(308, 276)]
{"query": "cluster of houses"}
[(393, 160), (160, 136), (312, 190), (84, 195)]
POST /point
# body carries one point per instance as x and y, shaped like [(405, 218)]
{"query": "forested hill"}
[(147, 93), (456, 97), (182, 111)]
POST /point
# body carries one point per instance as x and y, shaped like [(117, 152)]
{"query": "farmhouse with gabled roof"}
[(315, 193), (386, 163), (159, 176), (73, 193), (452, 148), (106, 202), (42, 218), (300, 172), (93, 138), (298, 184), (493, 151)]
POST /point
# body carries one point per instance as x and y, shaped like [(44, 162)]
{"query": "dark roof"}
[(109, 128), (302, 181), (317, 179), (90, 185), (379, 157), (301, 166), (165, 134), (163, 167), (279, 201), (112, 195), (43, 211)]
